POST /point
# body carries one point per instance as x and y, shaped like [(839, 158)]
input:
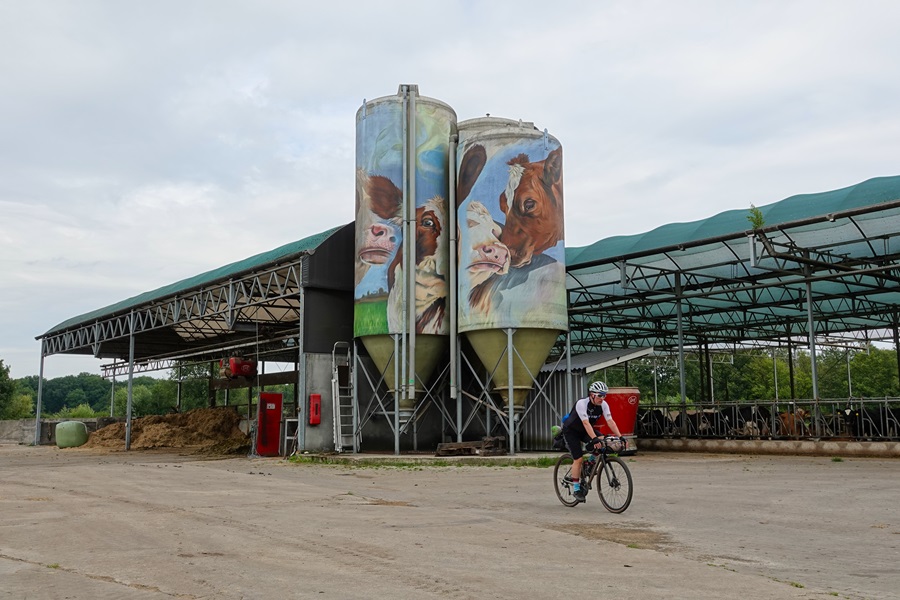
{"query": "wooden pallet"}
[(489, 446)]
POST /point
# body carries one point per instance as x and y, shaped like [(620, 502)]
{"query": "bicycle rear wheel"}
[(562, 482), (614, 485)]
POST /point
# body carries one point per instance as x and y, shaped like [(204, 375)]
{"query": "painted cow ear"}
[(470, 168), (553, 168)]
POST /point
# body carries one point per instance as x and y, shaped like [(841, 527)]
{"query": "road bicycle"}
[(611, 474)]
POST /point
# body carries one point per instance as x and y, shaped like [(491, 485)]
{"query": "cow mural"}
[(511, 238), (379, 299)]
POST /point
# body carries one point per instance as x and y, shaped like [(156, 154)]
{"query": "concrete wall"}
[(21, 431), (319, 438)]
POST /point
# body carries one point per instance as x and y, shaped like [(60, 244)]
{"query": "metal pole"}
[(679, 316), (178, 400), (354, 374), (655, 384), (130, 382), (812, 353), (897, 345), (302, 394), (569, 392), (40, 398), (849, 382), (812, 340), (775, 372), (451, 290), (410, 248), (791, 369), (400, 375), (396, 396), (511, 407), (112, 395)]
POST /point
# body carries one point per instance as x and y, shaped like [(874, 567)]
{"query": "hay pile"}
[(204, 429)]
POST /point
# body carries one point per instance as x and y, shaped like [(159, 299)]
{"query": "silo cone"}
[(511, 270), (379, 313), (429, 349), (531, 346)]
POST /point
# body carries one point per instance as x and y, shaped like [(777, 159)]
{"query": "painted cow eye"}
[(529, 205), (428, 222)]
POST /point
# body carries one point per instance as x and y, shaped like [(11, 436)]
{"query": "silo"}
[(511, 272), (398, 157)]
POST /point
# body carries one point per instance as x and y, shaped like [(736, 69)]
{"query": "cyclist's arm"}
[(587, 427), (607, 416), (613, 427)]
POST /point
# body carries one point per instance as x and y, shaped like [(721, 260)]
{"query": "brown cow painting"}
[(511, 254)]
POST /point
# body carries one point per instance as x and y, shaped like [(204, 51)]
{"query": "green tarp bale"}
[(70, 434)]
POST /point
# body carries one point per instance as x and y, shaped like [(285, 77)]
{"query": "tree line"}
[(746, 376), (752, 375), (87, 395)]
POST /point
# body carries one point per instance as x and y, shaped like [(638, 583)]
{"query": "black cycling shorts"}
[(574, 440)]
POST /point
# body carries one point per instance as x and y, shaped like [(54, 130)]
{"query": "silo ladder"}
[(342, 395)]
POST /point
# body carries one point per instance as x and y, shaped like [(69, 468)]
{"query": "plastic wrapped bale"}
[(70, 434)]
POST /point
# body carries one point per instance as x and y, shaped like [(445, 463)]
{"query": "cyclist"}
[(578, 427)]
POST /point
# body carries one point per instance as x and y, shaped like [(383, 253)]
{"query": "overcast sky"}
[(145, 142)]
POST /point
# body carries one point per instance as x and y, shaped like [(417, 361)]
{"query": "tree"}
[(7, 390)]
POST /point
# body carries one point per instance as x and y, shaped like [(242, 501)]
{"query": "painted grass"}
[(370, 318)]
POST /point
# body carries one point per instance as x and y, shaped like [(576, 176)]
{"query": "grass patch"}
[(837, 459), (53, 566), (424, 463)]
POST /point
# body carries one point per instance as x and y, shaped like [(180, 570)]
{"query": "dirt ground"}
[(100, 523)]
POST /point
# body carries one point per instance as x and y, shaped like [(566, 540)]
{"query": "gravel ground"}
[(102, 524)]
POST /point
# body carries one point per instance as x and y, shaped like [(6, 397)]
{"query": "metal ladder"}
[(342, 396)]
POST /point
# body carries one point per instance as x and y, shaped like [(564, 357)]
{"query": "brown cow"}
[(794, 424), (533, 205), (431, 272)]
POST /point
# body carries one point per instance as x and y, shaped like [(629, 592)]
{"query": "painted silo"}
[(511, 270), (381, 178)]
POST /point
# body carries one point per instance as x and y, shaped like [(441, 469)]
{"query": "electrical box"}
[(315, 409)]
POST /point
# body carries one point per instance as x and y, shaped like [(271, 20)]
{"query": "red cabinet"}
[(268, 427)]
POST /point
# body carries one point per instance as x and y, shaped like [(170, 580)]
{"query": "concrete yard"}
[(94, 524)]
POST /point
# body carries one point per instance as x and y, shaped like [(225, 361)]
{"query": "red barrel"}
[(623, 404)]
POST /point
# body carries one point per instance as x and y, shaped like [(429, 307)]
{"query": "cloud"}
[(145, 143)]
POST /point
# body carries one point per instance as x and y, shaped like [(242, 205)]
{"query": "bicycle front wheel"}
[(562, 480), (614, 485)]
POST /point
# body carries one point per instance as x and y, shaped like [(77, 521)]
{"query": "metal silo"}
[(402, 186), (511, 271)]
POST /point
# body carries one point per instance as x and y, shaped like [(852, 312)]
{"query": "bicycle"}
[(613, 477)]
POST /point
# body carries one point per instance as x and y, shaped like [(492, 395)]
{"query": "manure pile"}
[(207, 429)]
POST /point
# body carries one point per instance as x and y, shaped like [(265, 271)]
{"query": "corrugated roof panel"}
[(285, 252)]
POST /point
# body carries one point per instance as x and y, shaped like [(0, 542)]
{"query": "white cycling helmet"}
[(598, 387)]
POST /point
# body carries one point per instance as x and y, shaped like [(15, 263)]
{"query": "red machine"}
[(268, 427), (623, 404), (315, 409), (236, 366)]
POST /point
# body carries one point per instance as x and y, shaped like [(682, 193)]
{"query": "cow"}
[(692, 423), (532, 202), (747, 421), (378, 221), (653, 423), (431, 272), (793, 424), (865, 423), (484, 258)]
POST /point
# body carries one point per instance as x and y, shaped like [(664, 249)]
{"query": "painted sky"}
[(142, 143)]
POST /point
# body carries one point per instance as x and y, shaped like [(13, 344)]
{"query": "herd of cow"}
[(873, 421)]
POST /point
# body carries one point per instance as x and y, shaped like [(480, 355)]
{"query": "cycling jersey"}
[(585, 409)]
